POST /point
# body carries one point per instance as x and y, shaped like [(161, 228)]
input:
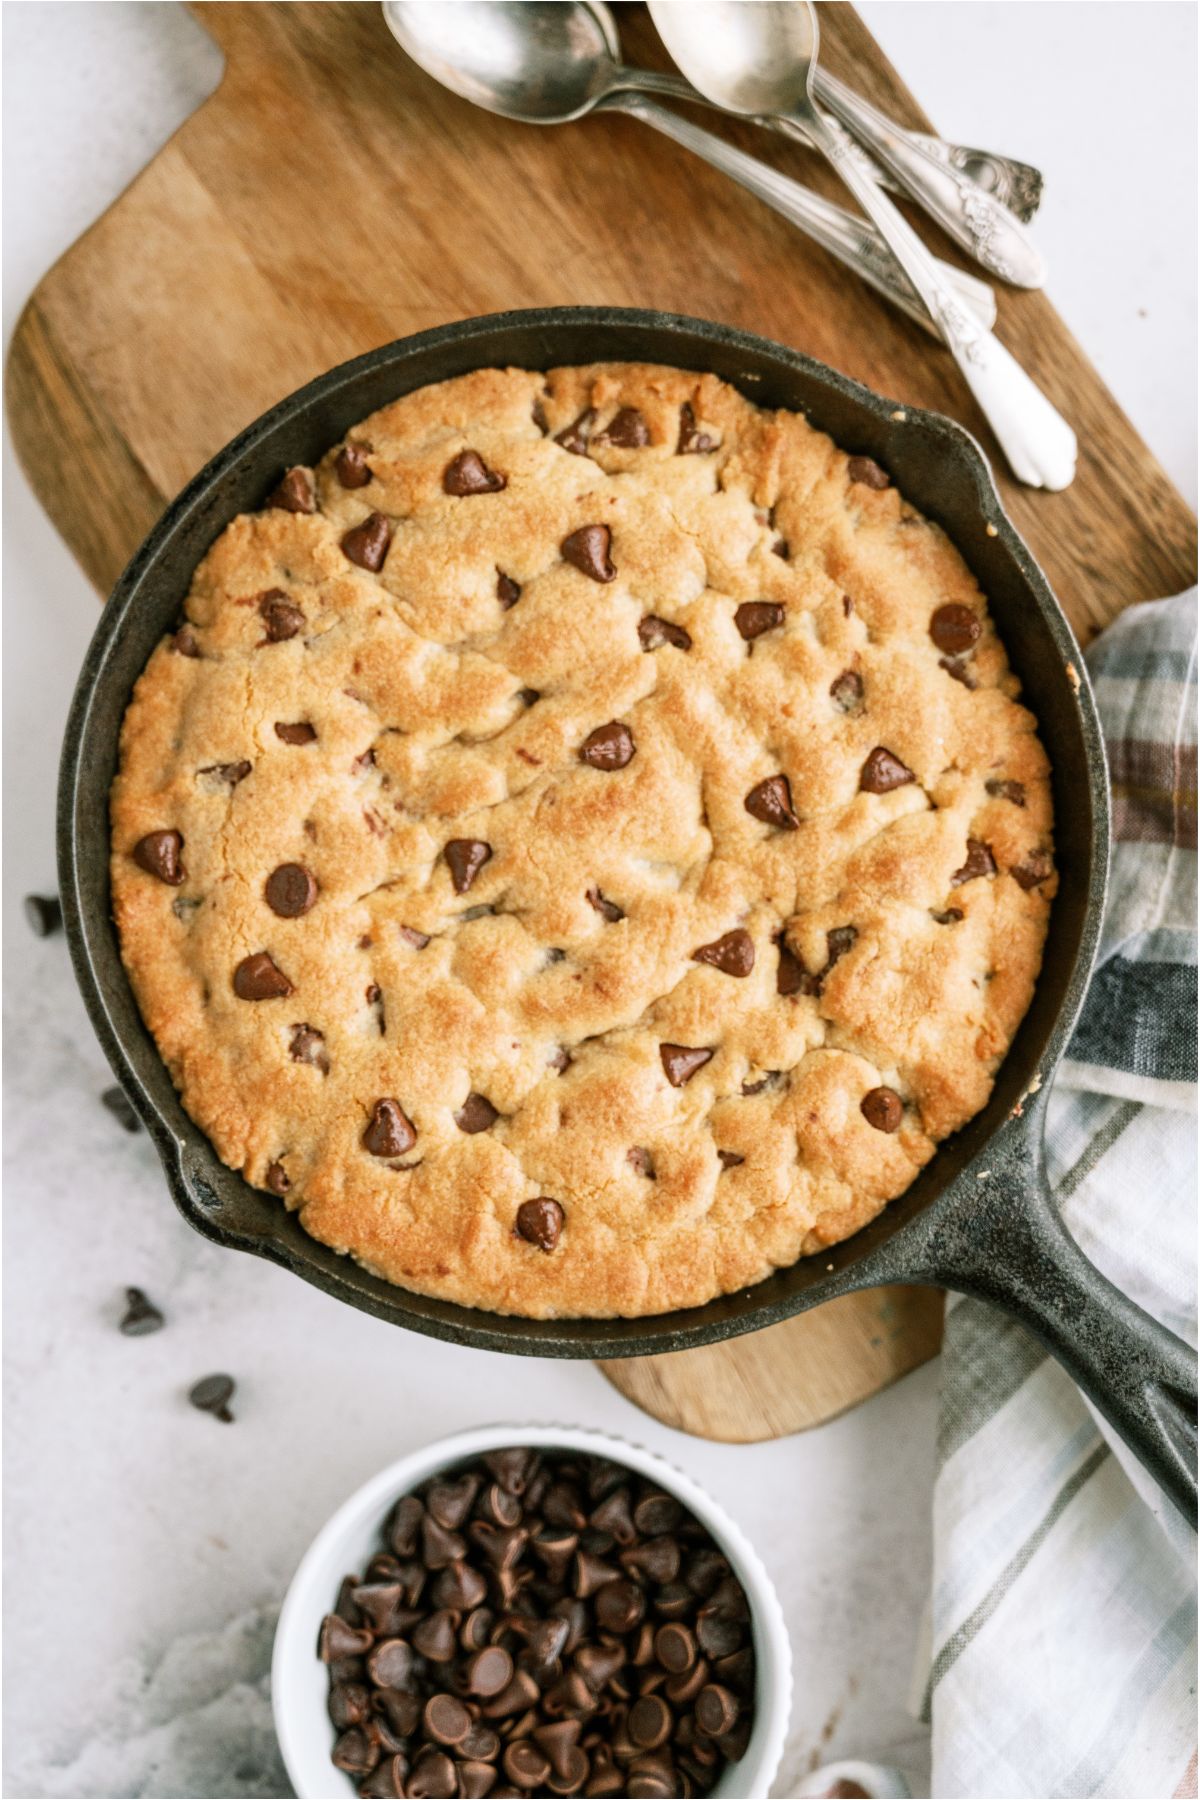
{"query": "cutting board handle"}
[(1002, 1239)]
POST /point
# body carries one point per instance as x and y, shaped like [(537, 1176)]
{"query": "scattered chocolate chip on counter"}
[(540, 1622), (43, 914), (141, 1316), (118, 1104), (212, 1394)]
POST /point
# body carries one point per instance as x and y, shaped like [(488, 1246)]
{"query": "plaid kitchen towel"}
[(1062, 1642)]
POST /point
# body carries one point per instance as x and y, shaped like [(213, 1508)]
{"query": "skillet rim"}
[(871, 1256)]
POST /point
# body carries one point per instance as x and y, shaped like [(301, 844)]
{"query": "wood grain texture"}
[(329, 198)]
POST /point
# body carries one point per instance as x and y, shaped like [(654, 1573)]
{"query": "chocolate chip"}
[(733, 954), (608, 748), (337, 1640), (212, 1395), (608, 909), (489, 1672), (838, 941), (351, 467), (227, 774), (418, 939), (792, 977), (140, 1317), (717, 1710), (476, 1779), (469, 474), (641, 1161), (1007, 790), (574, 437), (389, 1132), (540, 1222), (980, 862), (955, 629), (508, 592), (476, 1114), (653, 632), (952, 916), (675, 1648), (464, 858), (867, 472), (43, 914), (186, 643), (446, 1719), (299, 733), (729, 1159), (117, 1103), (1033, 871), (295, 493), (882, 1108), (882, 772), (588, 550), (281, 617), (432, 1777), (277, 1178), (770, 1079), (257, 977), (627, 430), (680, 1062), (159, 853), (771, 802), (291, 890), (958, 671), (753, 617), (782, 549), (847, 691), (692, 441), (367, 544), (525, 1764), (308, 1046)]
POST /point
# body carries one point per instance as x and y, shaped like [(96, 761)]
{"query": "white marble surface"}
[(147, 1546)]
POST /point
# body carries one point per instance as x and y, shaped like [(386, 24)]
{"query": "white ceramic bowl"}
[(299, 1687)]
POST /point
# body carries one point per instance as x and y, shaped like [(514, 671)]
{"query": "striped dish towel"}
[(1062, 1643)]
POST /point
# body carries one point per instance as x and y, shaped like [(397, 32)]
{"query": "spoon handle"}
[(852, 240), (971, 216), (1038, 442)]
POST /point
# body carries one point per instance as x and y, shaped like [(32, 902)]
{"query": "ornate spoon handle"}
[(851, 239)]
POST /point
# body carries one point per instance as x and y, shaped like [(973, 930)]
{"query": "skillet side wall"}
[(937, 466)]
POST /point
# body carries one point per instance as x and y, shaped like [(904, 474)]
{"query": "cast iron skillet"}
[(979, 1218)]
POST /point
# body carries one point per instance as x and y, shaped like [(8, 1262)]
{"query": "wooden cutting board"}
[(329, 198)]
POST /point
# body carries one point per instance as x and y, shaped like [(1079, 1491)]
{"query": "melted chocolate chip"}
[(159, 853), (771, 802), (229, 773), (729, 1159), (847, 691), (508, 591), (953, 915), (1033, 871), (351, 466), (608, 909), (295, 493), (367, 544), (464, 858), (258, 978), (1007, 790), (753, 617), (791, 977), (469, 474), (653, 631), (692, 441), (418, 939), (588, 550), (641, 1161), (281, 617), (574, 437), (882, 772), (277, 1178), (882, 1108), (299, 733), (608, 748), (291, 890), (540, 1223), (389, 1132), (958, 671), (680, 1062), (980, 862), (955, 629), (867, 472), (476, 1114), (185, 642), (733, 954), (308, 1046), (627, 430)]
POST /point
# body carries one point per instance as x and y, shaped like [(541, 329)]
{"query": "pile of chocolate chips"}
[(540, 1623)]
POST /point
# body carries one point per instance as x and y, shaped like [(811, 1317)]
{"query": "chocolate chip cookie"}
[(582, 848)]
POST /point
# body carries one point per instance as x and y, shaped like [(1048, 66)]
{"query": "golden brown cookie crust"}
[(444, 711)]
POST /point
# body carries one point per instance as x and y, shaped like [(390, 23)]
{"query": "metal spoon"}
[(548, 64), (759, 60)]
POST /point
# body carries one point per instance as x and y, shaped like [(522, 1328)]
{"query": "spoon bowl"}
[(543, 63), (754, 59)]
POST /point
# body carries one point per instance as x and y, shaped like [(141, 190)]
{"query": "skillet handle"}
[(1004, 1242)]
